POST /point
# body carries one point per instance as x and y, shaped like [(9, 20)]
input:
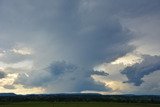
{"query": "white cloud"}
[(128, 60), (22, 51), (9, 80), (19, 67), (19, 89)]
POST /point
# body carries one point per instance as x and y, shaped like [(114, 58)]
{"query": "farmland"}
[(76, 104)]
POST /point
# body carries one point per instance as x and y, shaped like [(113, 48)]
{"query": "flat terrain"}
[(76, 104)]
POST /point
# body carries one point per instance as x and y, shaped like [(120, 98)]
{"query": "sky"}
[(80, 46)]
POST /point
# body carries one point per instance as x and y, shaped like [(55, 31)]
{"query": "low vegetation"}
[(77, 104), (79, 100)]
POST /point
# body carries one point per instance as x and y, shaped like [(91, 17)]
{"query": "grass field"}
[(76, 104)]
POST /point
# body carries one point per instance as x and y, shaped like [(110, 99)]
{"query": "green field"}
[(76, 104)]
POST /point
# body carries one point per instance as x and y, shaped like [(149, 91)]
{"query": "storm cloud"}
[(136, 72), (69, 30), (55, 44), (76, 35), (63, 77)]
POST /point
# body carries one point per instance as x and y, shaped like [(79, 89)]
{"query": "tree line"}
[(83, 98)]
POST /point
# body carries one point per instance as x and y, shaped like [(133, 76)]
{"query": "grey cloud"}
[(9, 86), (136, 72), (73, 34), (2, 75), (125, 8), (10, 57), (85, 33), (151, 84), (137, 8), (63, 77), (102, 73)]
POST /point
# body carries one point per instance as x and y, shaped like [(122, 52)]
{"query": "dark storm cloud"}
[(136, 72), (73, 32), (64, 77), (85, 33), (88, 39), (136, 8), (102, 73), (2, 75)]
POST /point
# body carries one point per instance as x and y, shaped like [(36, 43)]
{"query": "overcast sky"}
[(80, 46)]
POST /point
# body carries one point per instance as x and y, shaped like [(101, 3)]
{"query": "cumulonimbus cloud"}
[(84, 33)]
